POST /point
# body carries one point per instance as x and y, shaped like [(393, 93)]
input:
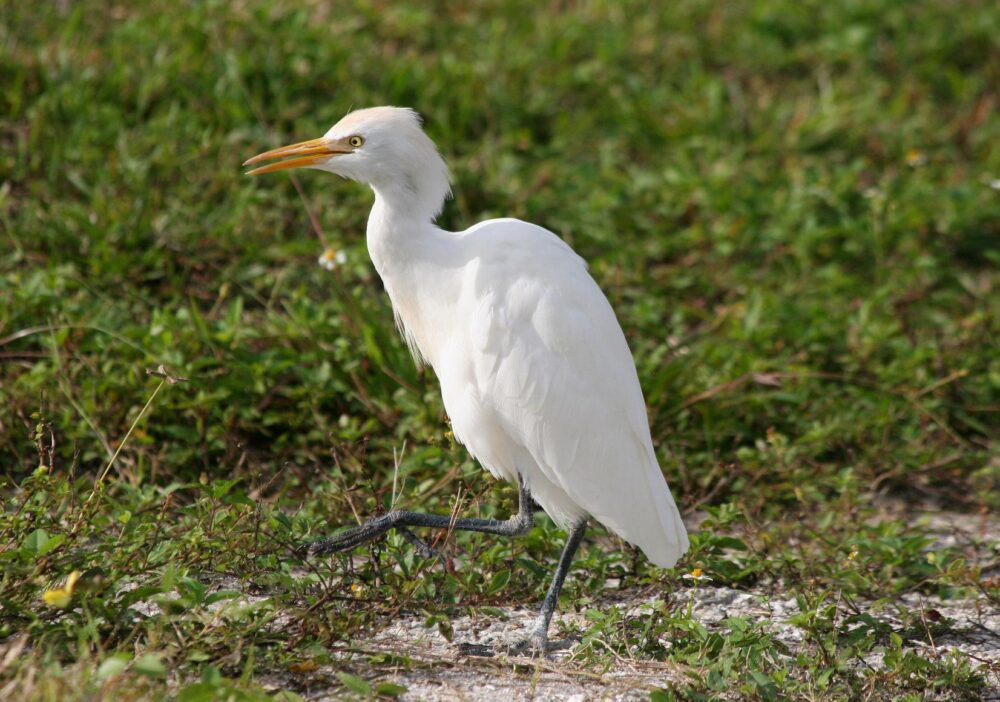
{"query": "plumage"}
[(537, 377), (535, 371)]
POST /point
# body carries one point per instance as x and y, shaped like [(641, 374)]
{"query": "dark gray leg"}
[(519, 524), (539, 638), (537, 642)]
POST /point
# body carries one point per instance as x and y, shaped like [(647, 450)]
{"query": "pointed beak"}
[(306, 153)]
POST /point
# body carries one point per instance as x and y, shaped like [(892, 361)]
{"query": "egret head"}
[(384, 147)]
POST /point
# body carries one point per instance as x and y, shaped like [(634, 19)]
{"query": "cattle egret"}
[(535, 372)]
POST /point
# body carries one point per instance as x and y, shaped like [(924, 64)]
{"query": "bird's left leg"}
[(516, 525), (538, 640)]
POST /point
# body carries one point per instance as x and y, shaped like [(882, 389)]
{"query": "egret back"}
[(539, 381)]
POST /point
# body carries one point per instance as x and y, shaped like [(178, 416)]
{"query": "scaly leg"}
[(537, 642), (518, 524)]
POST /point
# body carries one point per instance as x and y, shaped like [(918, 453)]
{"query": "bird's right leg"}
[(376, 527)]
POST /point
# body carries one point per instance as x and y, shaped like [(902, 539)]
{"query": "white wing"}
[(554, 379)]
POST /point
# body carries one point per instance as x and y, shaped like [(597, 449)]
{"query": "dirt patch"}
[(433, 668), (440, 672)]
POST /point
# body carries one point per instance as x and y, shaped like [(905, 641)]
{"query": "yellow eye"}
[(356, 141)]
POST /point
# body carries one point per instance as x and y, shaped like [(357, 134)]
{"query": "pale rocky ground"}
[(440, 672)]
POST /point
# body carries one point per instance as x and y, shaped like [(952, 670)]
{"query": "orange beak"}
[(306, 153)]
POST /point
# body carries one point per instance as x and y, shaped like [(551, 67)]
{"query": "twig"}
[(160, 372), (128, 434)]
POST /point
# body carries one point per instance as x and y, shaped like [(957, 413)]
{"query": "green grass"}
[(788, 204)]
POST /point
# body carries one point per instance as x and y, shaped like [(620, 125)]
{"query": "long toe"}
[(533, 646), (419, 544), (332, 544), (317, 547), (476, 649), (536, 646)]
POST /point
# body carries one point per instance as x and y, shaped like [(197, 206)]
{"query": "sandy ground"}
[(441, 672), (438, 669)]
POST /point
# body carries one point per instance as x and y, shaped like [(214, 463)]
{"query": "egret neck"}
[(408, 252)]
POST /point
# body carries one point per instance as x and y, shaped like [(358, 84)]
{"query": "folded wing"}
[(555, 368)]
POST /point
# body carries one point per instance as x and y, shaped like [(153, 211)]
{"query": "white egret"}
[(535, 372)]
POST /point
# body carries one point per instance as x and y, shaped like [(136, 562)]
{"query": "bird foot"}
[(343, 541), (535, 646), (355, 536), (421, 546)]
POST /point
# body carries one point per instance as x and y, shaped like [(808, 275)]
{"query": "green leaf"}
[(282, 519), (199, 692), (355, 684), (150, 664), (112, 666), (35, 541), (52, 544), (221, 488), (445, 628), (389, 689), (765, 686), (500, 579), (730, 542), (221, 595), (210, 675)]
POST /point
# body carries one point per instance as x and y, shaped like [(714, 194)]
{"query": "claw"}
[(316, 547), (355, 536), (477, 650), (419, 544), (333, 544), (534, 646), (344, 542), (321, 547)]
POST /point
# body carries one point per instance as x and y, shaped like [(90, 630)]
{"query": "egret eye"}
[(356, 141)]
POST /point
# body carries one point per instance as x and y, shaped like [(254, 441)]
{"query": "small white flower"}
[(915, 158), (697, 575), (331, 258), (995, 183)]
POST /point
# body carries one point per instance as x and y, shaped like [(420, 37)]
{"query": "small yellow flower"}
[(357, 588), (915, 158), (303, 667), (696, 573), (61, 597)]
